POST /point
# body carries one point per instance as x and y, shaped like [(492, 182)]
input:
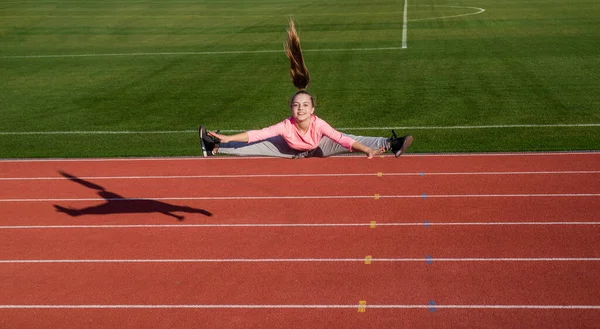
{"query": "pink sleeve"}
[(265, 133), (335, 135)]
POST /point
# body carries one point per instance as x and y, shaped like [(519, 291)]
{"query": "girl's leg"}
[(274, 147), (328, 147)]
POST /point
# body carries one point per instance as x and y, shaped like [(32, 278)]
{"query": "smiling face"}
[(302, 107)]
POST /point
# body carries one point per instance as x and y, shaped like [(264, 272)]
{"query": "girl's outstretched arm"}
[(241, 137), (367, 150)]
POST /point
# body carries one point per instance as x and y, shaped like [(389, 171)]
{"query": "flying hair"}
[(298, 71)]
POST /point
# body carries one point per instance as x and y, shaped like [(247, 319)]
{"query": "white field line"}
[(195, 131), (309, 197), (418, 224), (405, 25), (294, 260), (404, 43), (359, 158), (478, 11), (301, 306), (382, 174), (196, 53)]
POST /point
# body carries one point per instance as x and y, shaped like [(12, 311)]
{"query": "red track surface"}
[(457, 241)]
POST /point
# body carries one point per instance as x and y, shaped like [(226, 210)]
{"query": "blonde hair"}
[(298, 71)]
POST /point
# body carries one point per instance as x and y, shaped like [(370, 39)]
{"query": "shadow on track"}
[(117, 204)]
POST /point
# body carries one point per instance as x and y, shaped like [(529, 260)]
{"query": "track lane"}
[(302, 242), (531, 209), (302, 284), (301, 318), (300, 187)]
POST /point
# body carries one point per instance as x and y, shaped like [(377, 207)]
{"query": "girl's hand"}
[(222, 138), (373, 152)]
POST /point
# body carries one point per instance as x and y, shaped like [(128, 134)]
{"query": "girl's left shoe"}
[(206, 142)]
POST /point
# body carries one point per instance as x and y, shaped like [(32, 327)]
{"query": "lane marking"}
[(130, 132), (362, 306), (428, 259), (432, 305), (307, 197), (298, 306), (373, 224), (379, 174)]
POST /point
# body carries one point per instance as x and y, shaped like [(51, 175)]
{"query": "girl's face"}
[(302, 107)]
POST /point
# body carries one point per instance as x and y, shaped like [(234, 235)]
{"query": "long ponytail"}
[(298, 71)]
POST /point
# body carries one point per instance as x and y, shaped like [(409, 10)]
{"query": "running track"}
[(423, 241)]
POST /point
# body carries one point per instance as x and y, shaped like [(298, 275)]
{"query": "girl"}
[(303, 134)]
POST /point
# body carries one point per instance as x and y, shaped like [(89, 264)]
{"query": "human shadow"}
[(117, 204)]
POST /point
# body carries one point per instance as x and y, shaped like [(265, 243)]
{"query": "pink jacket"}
[(302, 142)]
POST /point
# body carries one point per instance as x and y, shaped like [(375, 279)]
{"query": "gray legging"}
[(277, 147)]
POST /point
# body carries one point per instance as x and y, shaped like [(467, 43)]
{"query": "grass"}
[(143, 66)]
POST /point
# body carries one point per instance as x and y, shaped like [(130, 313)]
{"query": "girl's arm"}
[(241, 137), (346, 141), (252, 135), (367, 150)]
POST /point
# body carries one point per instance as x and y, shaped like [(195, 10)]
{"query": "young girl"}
[(303, 134)]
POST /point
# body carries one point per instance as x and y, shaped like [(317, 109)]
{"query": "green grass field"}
[(136, 78)]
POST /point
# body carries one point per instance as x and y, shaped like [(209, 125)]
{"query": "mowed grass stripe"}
[(515, 64)]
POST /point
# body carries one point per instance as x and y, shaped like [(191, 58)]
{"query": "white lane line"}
[(258, 225), (295, 260), (498, 195), (195, 131), (382, 174), (299, 306), (376, 196), (405, 25)]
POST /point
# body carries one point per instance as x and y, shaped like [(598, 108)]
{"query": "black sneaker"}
[(206, 142), (399, 145)]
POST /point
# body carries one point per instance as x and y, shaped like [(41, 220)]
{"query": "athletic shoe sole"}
[(201, 132)]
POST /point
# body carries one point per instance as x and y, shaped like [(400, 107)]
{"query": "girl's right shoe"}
[(399, 145)]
